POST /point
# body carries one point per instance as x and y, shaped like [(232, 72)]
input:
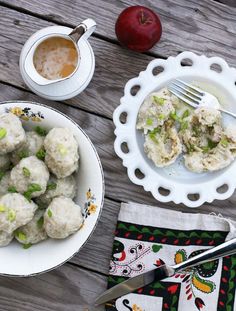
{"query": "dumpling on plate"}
[(30, 177), (33, 232), (58, 187), (203, 130), (33, 143), (61, 152), (155, 110), (15, 211), (204, 153), (62, 218), (12, 134), (162, 145)]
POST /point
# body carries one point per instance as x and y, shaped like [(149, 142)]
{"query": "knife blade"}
[(225, 249), (134, 283)]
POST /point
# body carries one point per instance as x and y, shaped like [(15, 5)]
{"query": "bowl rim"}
[(103, 186)]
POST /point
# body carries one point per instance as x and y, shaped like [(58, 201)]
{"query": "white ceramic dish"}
[(49, 254), (67, 88), (179, 182)]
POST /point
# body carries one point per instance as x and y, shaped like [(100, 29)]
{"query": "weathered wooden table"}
[(201, 26)]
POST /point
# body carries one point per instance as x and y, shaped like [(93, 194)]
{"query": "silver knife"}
[(165, 271)]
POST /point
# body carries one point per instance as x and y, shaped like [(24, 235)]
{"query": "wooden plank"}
[(201, 26), (96, 253), (67, 288), (227, 2), (111, 74)]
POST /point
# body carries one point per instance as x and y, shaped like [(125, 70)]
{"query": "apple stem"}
[(144, 20)]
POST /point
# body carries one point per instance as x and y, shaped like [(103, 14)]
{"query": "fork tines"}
[(186, 92)]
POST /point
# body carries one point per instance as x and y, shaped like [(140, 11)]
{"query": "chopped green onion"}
[(11, 216), (40, 131), (3, 133), (26, 172), (190, 148), (41, 154), (21, 235), (49, 213), (212, 144), (12, 189), (31, 188), (26, 246), (184, 125), (23, 154), (40, 222), (224, 142), (186, 114), (62, 149), (51, 186), (1, 175), (159, 100), (174, 116), (2, 208), (205, 149), (196, 130), (161, 116), (149, 121)]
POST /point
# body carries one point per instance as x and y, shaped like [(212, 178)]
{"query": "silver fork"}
[(194, 96)]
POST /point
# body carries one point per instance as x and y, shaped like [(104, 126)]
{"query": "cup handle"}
[(83, 30)]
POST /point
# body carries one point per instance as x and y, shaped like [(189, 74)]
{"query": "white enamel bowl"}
[(49, 254), (182, 186)]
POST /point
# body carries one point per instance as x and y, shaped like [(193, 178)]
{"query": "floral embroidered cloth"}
[(147, 235)]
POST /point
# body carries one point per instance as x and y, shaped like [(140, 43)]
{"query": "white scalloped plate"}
[(179, 182)]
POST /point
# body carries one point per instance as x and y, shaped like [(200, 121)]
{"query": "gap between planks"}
[(95, 34)]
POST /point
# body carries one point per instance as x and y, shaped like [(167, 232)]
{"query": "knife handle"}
[(222, 250)]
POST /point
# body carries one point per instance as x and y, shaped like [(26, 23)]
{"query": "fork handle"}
[(228, 112), (222, 250)]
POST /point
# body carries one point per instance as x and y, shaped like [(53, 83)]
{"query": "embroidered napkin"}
[(147, 235)]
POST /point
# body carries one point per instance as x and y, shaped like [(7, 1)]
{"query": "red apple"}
[(138, 28)]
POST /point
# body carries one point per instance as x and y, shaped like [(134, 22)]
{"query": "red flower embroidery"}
[(173, 288)]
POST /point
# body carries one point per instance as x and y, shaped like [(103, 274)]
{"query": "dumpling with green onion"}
[(156, 109), (12, 134), (15, 211), (33, 232), (58, 187), (61, 152), (5, 182), (162, 145), (5, 238), (30, 177), (203, 131), (32, 146), (5, 162), (62, 218)]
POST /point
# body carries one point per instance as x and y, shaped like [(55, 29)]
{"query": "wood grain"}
[(96, 254), (68, 288), (200, 26)]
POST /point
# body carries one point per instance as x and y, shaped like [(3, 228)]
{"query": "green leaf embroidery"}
[(156, 248)]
